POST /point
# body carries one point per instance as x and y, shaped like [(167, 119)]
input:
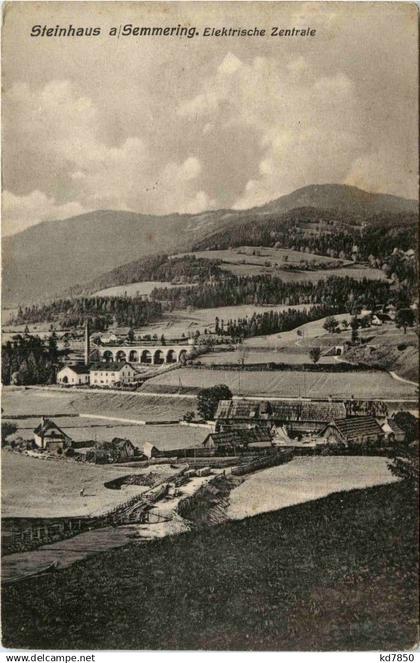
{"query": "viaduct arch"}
[(150, 355)]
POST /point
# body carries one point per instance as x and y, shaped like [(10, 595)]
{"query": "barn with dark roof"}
[(354, 430), (297, 415)]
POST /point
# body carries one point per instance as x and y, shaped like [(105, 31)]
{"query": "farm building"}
[(355, 430), (47, 435), (112, 374), (238, 440), (149, 450), (116, 451), (297, 416), (392, 431), (78, 374)]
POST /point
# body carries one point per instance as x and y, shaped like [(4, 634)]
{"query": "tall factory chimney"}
[(87, 343)]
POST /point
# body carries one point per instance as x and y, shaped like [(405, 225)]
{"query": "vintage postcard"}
[(209, 326)]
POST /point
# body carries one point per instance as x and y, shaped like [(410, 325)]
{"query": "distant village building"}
[(297, 416), (73, 375), (354, 430), (112, 374), (47, 435)]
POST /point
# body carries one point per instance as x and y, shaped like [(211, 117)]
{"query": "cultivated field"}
[(361, 384), (50, 488), (20, 401), (242, 262), (281, 354)]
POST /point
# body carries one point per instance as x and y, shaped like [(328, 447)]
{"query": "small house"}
[(149, 450), (116, 451), (393, 432), (73, 375), (47, 435)]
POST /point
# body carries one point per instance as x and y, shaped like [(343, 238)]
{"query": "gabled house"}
[(238, 440), (49, 436), (116, 451), (73, 375), (354, 430), (393, 432)]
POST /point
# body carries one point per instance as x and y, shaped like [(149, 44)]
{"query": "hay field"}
[(361, 384), (38, 402), (51, 488)]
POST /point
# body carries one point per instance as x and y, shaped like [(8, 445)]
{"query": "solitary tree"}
[(404, 318), (354, 324), (409, 424), (7, 429), (315, 354), (208, 400), (331, 325)]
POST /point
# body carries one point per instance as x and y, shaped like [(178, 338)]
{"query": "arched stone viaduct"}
[(139, 354)]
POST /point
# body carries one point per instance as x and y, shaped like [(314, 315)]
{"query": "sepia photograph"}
[(209, 326)]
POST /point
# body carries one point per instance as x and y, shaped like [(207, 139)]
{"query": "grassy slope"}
[(336, 573), (394, 351)]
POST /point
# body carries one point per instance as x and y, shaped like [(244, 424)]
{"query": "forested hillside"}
[(51, 257)]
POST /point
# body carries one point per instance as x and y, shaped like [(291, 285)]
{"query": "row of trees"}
[(265, 289), (186, 269), (27, 360), (100, 311), (271, 322)]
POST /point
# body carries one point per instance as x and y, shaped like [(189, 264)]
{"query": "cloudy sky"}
[(160, 125)]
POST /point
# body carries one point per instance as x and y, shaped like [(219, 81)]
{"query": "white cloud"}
[(21, 212), (64, 133)]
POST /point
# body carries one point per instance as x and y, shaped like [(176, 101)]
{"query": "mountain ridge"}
[(52, 256)]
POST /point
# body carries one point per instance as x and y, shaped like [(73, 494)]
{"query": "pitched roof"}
[(80, 369), (115, 443), (353, 427), (283, 410), (48, 426), (394, 427), (112, 366), (255, 436)]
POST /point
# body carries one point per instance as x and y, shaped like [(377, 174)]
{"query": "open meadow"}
[(187, 322), (18, 401), (369, 384), (305, 478), (51, 488), (251, 260), (135, 289)]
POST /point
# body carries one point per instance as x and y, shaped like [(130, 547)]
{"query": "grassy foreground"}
[(336, 573)]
